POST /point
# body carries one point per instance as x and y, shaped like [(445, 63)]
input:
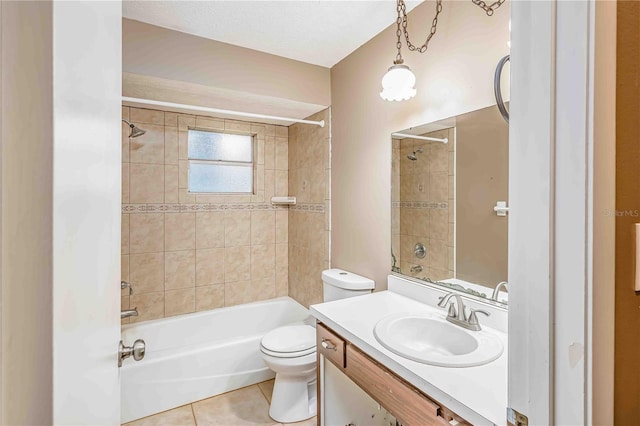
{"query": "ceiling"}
[(319, 32)]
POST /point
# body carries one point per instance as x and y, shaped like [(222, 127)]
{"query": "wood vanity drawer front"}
[(409, 406), (330, 345)]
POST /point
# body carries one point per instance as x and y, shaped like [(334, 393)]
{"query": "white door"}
[(87, 70)]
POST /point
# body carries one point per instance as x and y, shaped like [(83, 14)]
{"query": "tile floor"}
[(243, 407)]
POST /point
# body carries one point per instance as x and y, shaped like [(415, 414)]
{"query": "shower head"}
[(135, 131), (413, 156)]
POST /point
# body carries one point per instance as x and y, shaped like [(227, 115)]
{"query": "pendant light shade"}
[(398, 84)]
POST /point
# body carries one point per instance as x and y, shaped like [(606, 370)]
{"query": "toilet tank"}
[(339, 284)]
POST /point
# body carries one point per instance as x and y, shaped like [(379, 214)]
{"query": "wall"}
[(454, 76), (27, 222), (627, 302), (425, 205), (217, 74), (183, 252), (309, 220), (482, 179)]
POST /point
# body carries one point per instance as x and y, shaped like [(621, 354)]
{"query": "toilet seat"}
[(289, 341)]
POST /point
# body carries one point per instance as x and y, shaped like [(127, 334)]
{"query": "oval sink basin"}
[(431, 339)]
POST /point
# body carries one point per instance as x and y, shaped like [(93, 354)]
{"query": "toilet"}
[(290, 351)]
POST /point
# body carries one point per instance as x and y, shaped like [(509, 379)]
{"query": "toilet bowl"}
[(290, 351)]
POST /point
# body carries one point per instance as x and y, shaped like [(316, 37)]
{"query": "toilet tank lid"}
[(347, 280)]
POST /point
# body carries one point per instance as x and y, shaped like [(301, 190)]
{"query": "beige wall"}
[(27, 223), (309, 220), (454, 77), (158, 52), (184, 252), (627, 314), (482, 179), (425, 206)]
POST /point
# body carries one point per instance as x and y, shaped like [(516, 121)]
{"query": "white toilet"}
[(290, 351)]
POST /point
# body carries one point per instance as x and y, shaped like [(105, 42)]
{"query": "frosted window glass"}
[(211, 177), (219, 146)]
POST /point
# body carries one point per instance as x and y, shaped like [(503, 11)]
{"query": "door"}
[(87, 69)]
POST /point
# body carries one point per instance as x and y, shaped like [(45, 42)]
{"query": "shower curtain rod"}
[(424, 138), (218, 111)]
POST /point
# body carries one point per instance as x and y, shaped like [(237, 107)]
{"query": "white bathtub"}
[(196, 356)]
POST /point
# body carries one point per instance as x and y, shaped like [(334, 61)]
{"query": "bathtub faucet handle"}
[(137, 350), (124, 284)]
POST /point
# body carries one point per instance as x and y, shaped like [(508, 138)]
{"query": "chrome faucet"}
[(129, 313), (458, 315), (496, 291)]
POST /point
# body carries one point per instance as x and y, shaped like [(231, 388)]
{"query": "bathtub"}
[(196, 356)]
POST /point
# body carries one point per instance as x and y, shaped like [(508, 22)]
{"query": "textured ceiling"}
[(320, 32)]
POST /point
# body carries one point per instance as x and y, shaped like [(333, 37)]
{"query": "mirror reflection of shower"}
[(413, 156), (135, 131)]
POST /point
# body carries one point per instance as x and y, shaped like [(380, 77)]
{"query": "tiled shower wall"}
[(183, 252), (309, 220), (423, 201)]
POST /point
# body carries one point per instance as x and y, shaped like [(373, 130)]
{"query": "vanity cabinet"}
[(402, 400)]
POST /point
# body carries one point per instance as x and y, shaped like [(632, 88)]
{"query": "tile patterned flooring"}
[(243, 407)]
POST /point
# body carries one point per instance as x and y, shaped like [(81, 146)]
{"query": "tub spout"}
[(129, 313)]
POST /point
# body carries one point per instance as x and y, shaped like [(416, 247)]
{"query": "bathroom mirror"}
[(449, 196)]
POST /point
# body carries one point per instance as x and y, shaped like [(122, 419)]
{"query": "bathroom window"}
[(220, 162)]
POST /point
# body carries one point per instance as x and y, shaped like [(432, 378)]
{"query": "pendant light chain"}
[(402, 10), (489, 9)]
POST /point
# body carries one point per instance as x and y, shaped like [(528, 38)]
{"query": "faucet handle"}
[(473, 318)]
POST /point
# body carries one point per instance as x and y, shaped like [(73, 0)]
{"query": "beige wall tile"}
[(124, 272), (146, 183), (420, 187), (171, 119), (209, 123), (259, 179), (147, 116), (148, 148), (185, 197), (282, 131), (236, 293), (237, 228), (183, 145), (178, 302), (439, 186), (146, 272), (185, 122), (263, 261), (282, 183), (150, 306), (125, 143), (439, 224), (209, 297), (237, 126), (146, 232), (259, 130), (263, 225), (282, 153), (263, 288), (209, 229), (124, 304), (183, 177), (270, 152), (180, 231), (182, 416), (259, 157), (171, 145), (237, 264), (124, 234), (269, 184), (210, 266), (171, 191), (282, 226), (452, 167), (438, 254), (179, 269), (125, 113), (269, 130), (125, 183)]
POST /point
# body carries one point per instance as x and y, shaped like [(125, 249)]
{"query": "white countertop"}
[(478, 394)]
